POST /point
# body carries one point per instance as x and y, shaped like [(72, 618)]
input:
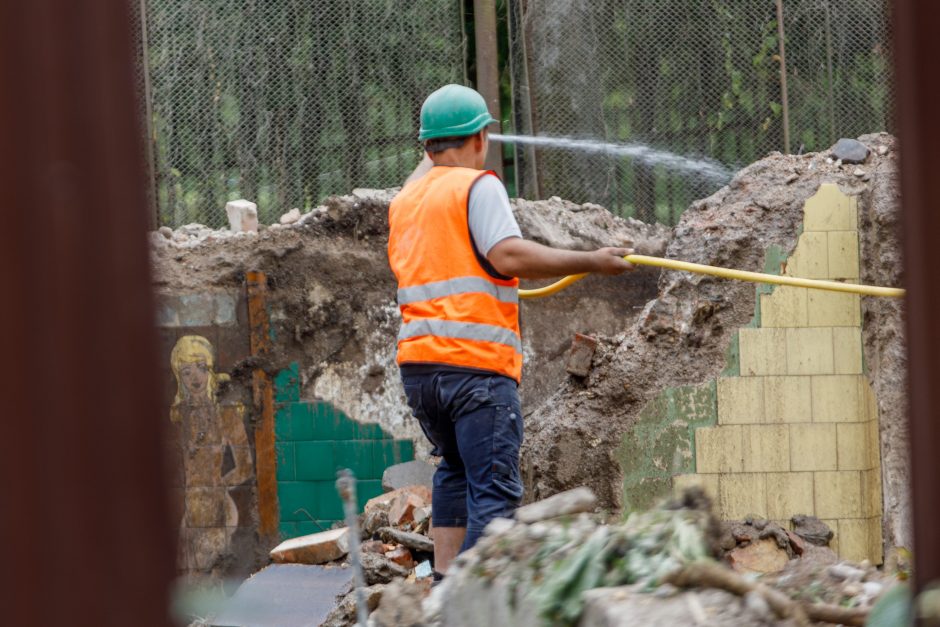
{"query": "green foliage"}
[(644, 549), (893, 609)]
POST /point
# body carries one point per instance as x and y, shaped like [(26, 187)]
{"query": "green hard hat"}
[(453, 111)]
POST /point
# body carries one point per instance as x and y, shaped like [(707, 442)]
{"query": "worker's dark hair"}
[(440, 144)]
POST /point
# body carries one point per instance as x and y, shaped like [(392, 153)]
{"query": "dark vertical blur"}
[(916, 25), (83, 513)]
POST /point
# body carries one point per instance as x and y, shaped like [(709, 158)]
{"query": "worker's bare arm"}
[(518, 257)]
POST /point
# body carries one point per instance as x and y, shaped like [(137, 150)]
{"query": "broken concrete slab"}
[(562, 504), (415, 472), (317, 548), (414, 541), (402, 508), (285, 595), (383, 502), (242, 216), (379, 569)]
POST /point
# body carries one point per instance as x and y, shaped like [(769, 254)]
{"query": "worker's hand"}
[(611, 260)]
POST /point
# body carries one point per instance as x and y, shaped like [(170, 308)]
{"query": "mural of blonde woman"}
[(216, 457)]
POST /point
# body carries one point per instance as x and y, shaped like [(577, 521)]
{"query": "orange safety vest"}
[(453, 311)]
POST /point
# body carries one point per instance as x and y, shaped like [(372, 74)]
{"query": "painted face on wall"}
[(194, 377)]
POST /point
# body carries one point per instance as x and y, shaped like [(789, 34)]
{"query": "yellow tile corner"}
[(830, 210)]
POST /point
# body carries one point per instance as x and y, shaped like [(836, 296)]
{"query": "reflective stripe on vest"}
[(461, 285), (460, 331)]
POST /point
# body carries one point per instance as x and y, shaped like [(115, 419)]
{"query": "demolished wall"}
[(329, 305), (656, 378)]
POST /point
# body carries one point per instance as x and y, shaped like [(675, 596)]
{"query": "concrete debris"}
[(290, 217), (763, 556), (580, 355), (858, 172), (401, 556), (317, 548), (401, 605), (166, 232), (413, 541), (384, 502), (630, 605), (402, 508), (415, 472), (850, 151), (378, 568), (344, 614), (564, 504), (372, 521), (812, 530), (242, 215), (883, 150)]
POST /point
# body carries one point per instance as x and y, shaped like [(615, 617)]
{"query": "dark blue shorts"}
[(474, 422)]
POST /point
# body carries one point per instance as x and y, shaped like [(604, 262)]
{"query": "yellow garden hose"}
[(726, 273)]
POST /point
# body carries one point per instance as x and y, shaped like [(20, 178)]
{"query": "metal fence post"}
[(487, 49), (785, 104)]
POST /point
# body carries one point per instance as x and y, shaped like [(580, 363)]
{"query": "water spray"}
[(703, 168)]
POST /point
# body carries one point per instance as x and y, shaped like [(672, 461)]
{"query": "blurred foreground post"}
[(916, 25), (85, 523)]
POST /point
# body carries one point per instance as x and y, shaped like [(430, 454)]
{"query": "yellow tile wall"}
[(798, 430)]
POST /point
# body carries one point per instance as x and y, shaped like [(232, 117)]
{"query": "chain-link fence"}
[(284, 102), (694, 77)]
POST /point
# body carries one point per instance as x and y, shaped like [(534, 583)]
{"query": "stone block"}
[(789, 494), (854, 543), (415, 472), (761, 557), (787, 399), (718, 449), (318, 548), (763, 351), (580, 355), (809, 351), (843, 255), (709, 483), (742, 495), (810, 260), (847, 345), (838, 494), (766, 448), (830, 210), (852, 444), (785, 307), (813, 447), (242, 215), (833, 309), (740, 400), (836, 399)]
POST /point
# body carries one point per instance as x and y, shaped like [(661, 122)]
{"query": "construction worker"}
[(457, 252)]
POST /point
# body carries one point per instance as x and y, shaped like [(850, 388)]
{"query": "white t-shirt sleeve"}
[(490, 216)]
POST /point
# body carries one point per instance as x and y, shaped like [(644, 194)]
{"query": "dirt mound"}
[(332, 295)]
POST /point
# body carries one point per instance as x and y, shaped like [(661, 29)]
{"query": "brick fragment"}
[(580, 355), (317, 548)]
